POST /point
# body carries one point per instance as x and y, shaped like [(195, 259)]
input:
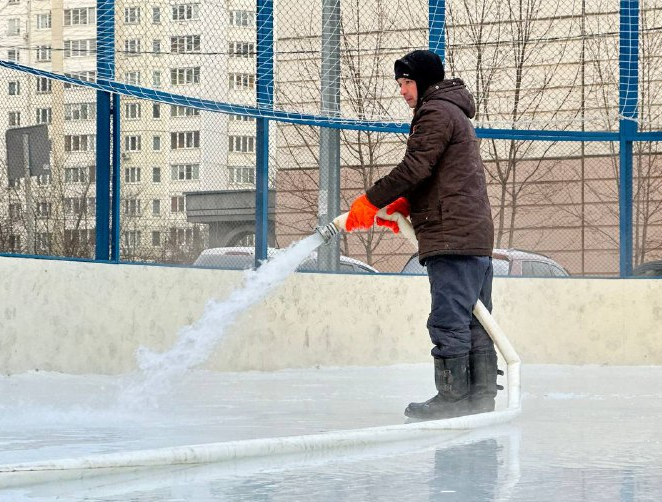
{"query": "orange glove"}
[(361, 214), (400, 205)]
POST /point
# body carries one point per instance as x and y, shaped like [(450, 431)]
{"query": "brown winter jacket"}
[(442, 176)]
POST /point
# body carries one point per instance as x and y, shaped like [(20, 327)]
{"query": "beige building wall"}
[(91, 318)]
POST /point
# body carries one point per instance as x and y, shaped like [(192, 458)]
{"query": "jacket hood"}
[(454, 91)]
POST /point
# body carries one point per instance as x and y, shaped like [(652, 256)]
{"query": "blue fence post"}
[(436, 25), (105, 70), (265, 99), (628, 96), (116, 180)]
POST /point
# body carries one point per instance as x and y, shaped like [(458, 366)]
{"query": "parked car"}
[(242, 258), (507, 262), (648, 269)]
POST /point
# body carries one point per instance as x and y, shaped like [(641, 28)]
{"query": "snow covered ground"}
[(586, 433)]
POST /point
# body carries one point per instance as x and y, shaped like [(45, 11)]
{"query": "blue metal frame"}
[(265, 99), (437, 27), (105, 70), (628, 94), (116, 181), (109, 92)]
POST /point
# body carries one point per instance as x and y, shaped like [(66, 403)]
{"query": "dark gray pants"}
[(456, 284)]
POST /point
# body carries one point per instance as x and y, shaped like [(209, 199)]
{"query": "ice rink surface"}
[(586, 433)]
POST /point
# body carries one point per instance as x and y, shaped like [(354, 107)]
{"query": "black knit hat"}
[(424, 67)]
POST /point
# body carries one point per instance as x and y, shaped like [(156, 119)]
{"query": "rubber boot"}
[(451, 377), (483, 373)]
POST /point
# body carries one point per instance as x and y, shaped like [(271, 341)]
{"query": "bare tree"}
[(366, 63), (648, 157), (503, 47)]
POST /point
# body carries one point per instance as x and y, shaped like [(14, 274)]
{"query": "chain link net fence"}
[(189, 73)]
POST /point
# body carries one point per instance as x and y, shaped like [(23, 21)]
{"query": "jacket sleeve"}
[(428, 140)]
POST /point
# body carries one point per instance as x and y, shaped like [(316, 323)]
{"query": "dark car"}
[(241, 258), (507, 262), (648, 269)]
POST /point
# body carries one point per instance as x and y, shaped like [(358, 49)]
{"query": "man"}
[(441, 184)]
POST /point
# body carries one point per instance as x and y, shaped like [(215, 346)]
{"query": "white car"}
[(241, 258), (506, 262)]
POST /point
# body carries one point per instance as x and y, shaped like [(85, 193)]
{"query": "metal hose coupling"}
[(327, 231)]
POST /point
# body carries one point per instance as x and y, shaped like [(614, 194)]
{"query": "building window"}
[(156, 46), (242, 81), (15, 243), (44, 85), (132, 47), (185, 76), (132, 175), (242, 175), (242, 144), (183, 111), (132, 238), (132, 207), (86, 76), (241, 49), (75, 174), (242, 18), (132, 111), (43, 53), (181, 236), (80, 48), (184, 140), (242, 118), (132, 143), (13, 26), (156, 78), (156, 207), (177, 204), (14, 88), (14, 119), (15, 210), (131, 15), (185, 172), (44, 179), (44, 21), (44, 209), (14, 55), (156, 15), (156, 111), (156, 238), (43, 242), (156, 175), (79, 174), (75, 205), (185, 44), (81, 16), (44, 116), (132, 77), (80, 237), (156, 143), (80, 143), (79, 111), (186, 12)]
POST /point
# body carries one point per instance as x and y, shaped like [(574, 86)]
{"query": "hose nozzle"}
[(327, 231)]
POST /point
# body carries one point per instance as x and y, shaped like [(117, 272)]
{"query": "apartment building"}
[(199, 49)]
